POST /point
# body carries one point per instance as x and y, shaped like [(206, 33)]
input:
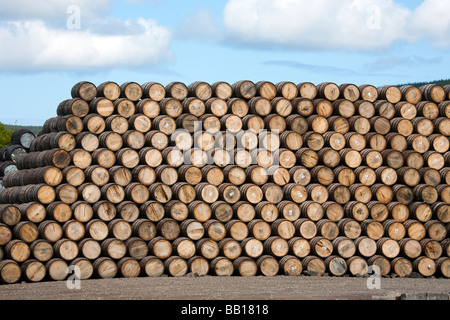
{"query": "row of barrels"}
[(247, 89), (323, 167), (43, 260), (435, 215), (301, 114), (224, 145), (58, 269), (341, 196), (19, 145), (432, 232)]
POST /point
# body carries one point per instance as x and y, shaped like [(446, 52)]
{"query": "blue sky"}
[(44, 52)]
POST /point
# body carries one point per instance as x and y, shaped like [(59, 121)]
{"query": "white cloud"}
[(32, 45), (432, 20), (365, 25), (38, 38)]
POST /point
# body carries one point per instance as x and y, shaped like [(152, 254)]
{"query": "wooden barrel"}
[(327, 229), (290, 266), (425, 266), (307, 90), (336, 265), (144, 229), (89, 248), (168, 228), (443, 266), (350, 92), (244, 89), (268, 266), (305, 228), (299, 247), (314, 265), (441, 210), (221, 267), (177, 210), (390, 93), (222, 90), (105, 268), (259, 229), (410, 248), (287, 90), (344, 175), (431, 248), (222, 211), (84, 90), (219, 107), (436, 230), (244, 211), (317, 123), (266, 89), (321, 247), (245, 267), (388, 247), (366, 246), (131, 91), (357, 266), (207, 248), (74, 230), (276, 246), (266, 211), (66, 249), (411, 94), (362, 125), (415, 229), (129, 267), (192, 229), (433, 92), (10, 271), (338, 193), (328, 90), (344, 246), (200, 210), (338, 124), (151, 266), (109, 89), (344, 108), (33, 270), (402, 267), (114, 248), (312, 210), (17, 250), (382, 193), (86, 268), (333, 211), (230, 248), (349, 228), (104, 210), (57, 269), (76, 106)]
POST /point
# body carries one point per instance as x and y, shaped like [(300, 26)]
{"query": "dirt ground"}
[(232, 288)]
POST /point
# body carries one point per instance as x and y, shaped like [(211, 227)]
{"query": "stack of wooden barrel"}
[(19, 145), (232, 179)]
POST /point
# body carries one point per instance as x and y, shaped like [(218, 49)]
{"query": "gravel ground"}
[(232, 288)]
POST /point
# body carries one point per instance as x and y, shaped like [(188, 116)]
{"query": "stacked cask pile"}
[(19, 145), (232, 179)]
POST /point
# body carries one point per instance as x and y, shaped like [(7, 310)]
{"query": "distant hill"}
[(419, 84), (34, 129)]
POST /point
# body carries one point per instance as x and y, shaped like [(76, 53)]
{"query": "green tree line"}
[(5, 135)]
